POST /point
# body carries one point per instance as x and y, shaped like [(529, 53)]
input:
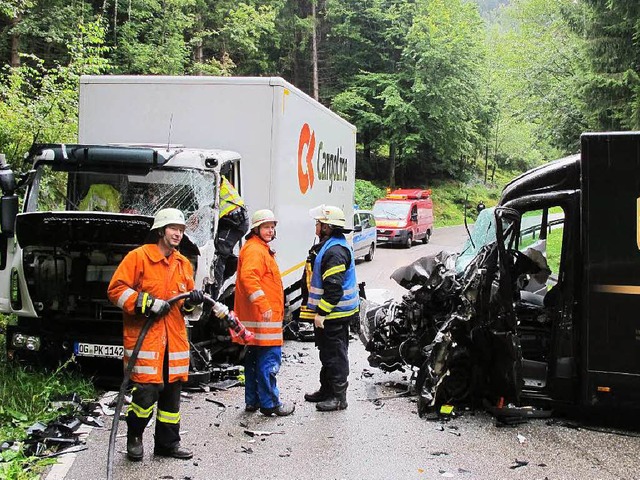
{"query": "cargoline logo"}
[(305, 172), (329, 166)]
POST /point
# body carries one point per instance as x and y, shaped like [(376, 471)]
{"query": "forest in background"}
[(438, 89)]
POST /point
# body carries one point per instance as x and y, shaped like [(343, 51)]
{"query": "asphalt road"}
[(372, 439)]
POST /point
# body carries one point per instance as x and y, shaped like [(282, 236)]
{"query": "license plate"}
[(96, 350)]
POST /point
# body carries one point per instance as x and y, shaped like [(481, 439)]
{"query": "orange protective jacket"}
[(146, 269), (258, 289)]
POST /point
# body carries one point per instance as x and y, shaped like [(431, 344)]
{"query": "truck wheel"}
[(369, 256), (409, 241), (427, 236)]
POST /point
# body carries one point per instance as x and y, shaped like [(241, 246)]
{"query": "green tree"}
[(152, 38), (534, 70), (612, 89), (40, 104)]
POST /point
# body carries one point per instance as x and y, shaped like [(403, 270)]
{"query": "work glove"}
[(318, 321), (196, 297), (149, 306)]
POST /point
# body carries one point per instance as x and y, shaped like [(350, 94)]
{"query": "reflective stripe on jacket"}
[(258, 289), (146, 269), (230, 199), (349, 303)]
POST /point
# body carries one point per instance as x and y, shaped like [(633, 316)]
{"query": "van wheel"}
[(369, 256), (409, 241), (427, 236)]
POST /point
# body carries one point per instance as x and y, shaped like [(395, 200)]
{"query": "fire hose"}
[(220, 310)]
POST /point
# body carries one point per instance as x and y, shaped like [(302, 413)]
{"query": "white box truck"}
[(295, 153), (148, 143)]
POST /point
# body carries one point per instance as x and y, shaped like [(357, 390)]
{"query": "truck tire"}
[(409, 241), (426, 237), (369, 256)]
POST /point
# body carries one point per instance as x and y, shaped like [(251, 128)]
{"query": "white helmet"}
[(168, 216), (262, 216), (330, 215)]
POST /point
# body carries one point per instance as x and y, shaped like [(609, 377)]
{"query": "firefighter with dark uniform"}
[(140, 286), (331, 300), (233, 223)]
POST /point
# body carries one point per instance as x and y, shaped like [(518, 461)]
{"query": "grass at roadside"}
[(25, 398)]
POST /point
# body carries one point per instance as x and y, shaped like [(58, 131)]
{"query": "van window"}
[(391, 210), (414, 214)]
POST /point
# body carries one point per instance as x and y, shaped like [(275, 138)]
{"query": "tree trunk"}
[(392, 165), (15, 41), (314, 50), (486, 162), (199, 55)]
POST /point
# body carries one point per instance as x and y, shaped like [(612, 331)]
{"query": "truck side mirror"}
[(357, 228), (8, 213)]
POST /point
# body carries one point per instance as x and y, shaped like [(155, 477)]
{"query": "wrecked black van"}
[(542, 303)]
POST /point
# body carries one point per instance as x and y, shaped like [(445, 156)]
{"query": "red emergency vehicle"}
[(404, 216)]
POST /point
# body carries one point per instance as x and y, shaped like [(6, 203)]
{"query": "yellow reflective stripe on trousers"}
[(333, 271), (168, 417), (140, 412)]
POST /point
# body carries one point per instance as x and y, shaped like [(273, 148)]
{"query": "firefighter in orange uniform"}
[(144, 280), (259, 304)]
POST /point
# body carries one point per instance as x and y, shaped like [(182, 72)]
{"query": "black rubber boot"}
[(324, 393), (338, 400), (135, 450)]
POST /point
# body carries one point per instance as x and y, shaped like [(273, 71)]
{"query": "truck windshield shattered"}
[(57, 188)]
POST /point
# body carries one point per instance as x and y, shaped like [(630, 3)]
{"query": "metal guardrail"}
[(534, 228)]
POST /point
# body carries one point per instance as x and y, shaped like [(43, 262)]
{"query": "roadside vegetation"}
[(26, 397), (449, 196)]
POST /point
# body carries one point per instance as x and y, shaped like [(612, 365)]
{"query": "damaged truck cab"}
[(542, 303), (85, 207)]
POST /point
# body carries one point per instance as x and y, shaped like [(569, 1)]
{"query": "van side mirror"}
[(357, 228), (8, 213)]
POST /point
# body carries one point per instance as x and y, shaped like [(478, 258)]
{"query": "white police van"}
[(364, 234)]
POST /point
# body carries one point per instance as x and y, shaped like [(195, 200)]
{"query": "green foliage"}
[(612, 87), (152, 40), (534, 69), (366, 193), (25, 397), (40, 104), (450, 198)]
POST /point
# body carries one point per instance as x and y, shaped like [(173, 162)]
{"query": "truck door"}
[(611, 237)]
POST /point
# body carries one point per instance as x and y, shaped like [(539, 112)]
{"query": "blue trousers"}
[(261, 367)]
